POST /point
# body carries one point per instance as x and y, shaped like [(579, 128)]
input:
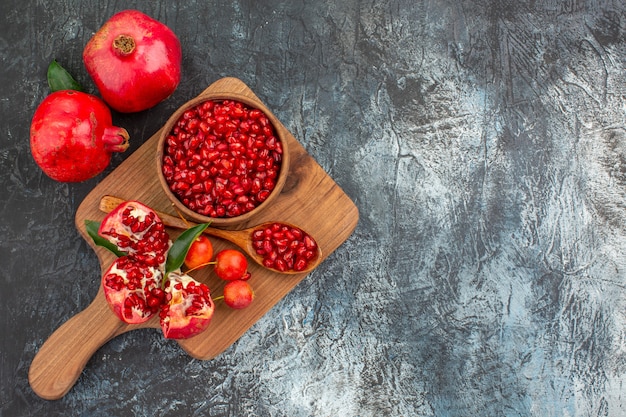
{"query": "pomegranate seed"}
[(300, 264), (262, 195), (309, 243), (280, 265), (268, 184), (153, 302)]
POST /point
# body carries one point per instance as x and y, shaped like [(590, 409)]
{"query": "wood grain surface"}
[(310, 199)]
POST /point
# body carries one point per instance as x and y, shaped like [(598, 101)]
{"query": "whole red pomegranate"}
[(134, 60), (72, 136)]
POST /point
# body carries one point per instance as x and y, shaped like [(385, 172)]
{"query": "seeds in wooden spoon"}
[(284, 247)]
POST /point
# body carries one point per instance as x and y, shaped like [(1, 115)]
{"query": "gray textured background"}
[(484, 143)]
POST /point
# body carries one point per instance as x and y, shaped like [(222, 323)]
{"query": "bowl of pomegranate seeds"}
[(221, 158)]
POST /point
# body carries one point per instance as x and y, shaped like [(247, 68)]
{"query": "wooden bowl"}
[(223, 221)]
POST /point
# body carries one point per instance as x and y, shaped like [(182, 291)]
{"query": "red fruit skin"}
[(238, 294), (72, 136), (231, 264), (200, 253), (134, 79), (188, 308)]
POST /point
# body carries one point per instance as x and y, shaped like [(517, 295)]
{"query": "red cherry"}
[(200, 253), (238, 294), (231, 264)]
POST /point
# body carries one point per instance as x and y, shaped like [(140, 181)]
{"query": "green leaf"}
[(178, 251), (92, 230), (60, 79)]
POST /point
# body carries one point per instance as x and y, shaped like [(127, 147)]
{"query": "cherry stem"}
[(201, 266), (221, 297)]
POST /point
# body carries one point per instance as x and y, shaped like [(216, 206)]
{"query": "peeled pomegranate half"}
[(188, 308), (72, 136), (134, 60), (132, 284)]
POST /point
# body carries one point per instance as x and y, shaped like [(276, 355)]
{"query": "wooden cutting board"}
[(310, 199)]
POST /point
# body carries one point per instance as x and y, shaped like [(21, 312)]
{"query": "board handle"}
[(62, 358)]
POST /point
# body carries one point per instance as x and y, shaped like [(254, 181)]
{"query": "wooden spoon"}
[(241, 238)]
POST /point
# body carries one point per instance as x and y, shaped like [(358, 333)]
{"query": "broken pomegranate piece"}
[(132, 289), (188, 307)]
